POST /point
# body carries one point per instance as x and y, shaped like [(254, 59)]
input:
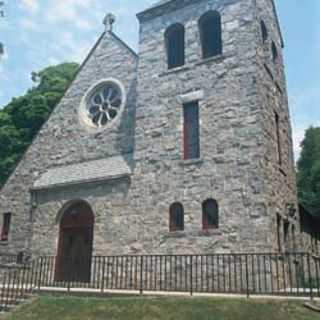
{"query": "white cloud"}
[(53, 61), (67, 11), (304, 104), (69, 48), (84, 24), (298, 135), (4, 58), (29, 24), (32, 6), (3, 75)]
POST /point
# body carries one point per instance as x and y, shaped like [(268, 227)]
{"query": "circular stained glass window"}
[(104, 104)]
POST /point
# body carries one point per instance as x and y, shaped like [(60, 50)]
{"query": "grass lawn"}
[(49, 308)]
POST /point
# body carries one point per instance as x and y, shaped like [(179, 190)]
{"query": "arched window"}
[(176, 217), (211, 34), (210, 214), (264, 31), (274, 52), (175, 44)]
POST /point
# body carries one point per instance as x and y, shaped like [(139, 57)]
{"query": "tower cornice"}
[(163, 7)]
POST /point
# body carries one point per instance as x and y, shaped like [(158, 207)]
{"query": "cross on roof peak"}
[(109, 21)]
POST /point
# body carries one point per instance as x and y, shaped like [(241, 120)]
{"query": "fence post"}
[(40, 274), (247, 277), (103, 271), (191, 275), (69, 274), (141, 275), (310, 278)]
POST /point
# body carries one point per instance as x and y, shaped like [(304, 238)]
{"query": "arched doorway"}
[(75, 243)]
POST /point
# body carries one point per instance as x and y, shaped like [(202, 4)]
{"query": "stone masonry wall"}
[(237, 154), (230, 169), (62, 140), (280, 179)]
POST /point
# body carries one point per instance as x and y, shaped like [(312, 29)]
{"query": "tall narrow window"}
[(293, 231), (313, 242), (191, 130), (210, 214), (279, 232), (175, 43), (278, 133), (176, 217), (5, 227), (286, 227), (211, 34), (274, 52), (264, 31)]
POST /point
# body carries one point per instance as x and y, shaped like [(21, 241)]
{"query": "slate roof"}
[(91, 171)]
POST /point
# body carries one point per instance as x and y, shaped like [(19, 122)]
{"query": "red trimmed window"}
[(210, 214), (264, 31), (279, 223), (176, 217), (5, 227), (275, 54), (278, 133), (191, 129)]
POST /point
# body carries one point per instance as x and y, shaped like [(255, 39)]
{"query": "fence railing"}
[(6, 259), (288, 274), (274, 274), (17, 281)]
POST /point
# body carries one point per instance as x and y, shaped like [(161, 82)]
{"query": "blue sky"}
[(38, 33)]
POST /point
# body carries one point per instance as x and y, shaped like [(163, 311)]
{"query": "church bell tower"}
[(213, 121)]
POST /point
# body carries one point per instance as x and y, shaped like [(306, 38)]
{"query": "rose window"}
[(104, 104)]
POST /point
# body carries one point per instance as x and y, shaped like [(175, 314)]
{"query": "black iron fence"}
[(289, 274), (6, 259), (17, 282), (265, 274)]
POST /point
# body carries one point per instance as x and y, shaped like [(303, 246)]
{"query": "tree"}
[(22, 118), (309, 171)]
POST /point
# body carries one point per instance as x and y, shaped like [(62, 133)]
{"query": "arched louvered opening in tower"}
[(175, 45), (211, 34)]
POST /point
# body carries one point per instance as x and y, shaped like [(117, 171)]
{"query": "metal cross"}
[(108, 21)]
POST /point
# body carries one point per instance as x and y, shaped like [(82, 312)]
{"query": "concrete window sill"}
[(191, 162), (175, 70), (176, 234), (210, 232), (189, 66), (217, 58)]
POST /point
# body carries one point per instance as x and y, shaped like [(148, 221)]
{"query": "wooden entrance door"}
[(75, 245)]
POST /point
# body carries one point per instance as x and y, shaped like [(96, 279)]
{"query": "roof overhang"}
[(83, 173)]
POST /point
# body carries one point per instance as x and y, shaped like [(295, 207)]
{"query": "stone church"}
[(183, 148)]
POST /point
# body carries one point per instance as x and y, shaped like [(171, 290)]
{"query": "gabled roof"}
[(123, 43), (91, 52), (85, 172)]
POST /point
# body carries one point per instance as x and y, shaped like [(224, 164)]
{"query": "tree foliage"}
[(309, 171), (22, 118)]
